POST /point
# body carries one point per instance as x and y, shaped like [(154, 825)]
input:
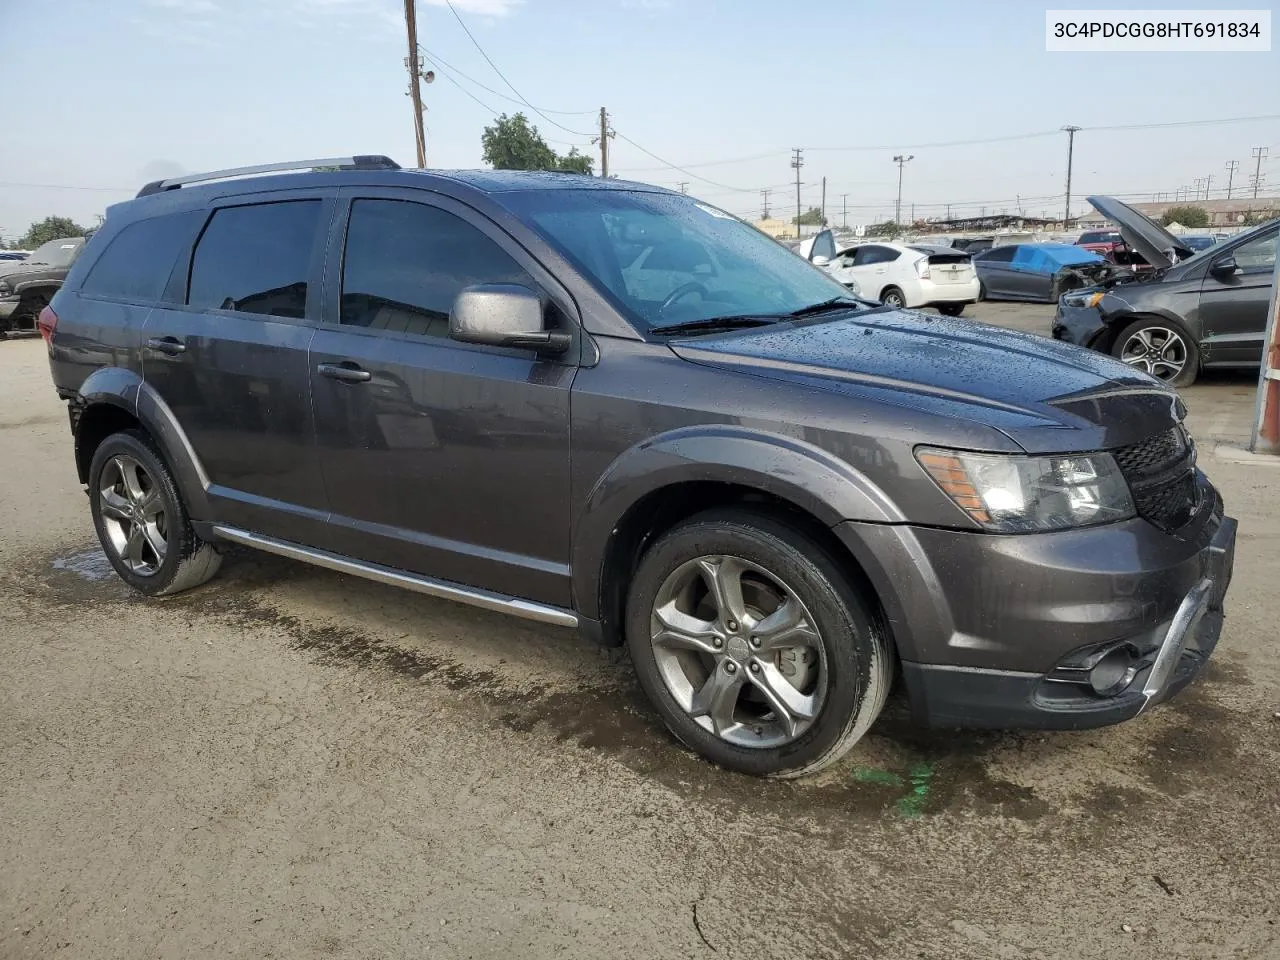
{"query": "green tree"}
[(811, 218), (50, 228), (1255, 217), (512, 143), (1187, 215)]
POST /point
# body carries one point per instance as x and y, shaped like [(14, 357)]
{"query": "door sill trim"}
[(444, 589)]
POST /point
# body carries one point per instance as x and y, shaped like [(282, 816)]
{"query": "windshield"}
[(56, 253), (664, 259)]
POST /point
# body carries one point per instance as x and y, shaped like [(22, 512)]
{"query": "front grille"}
[(1161, 473)]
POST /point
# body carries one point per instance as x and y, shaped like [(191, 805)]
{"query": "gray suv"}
[(608, 406)]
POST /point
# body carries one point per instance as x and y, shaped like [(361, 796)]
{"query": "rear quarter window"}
[(138, 260)]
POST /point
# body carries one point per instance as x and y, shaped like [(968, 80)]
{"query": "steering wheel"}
[(682, 291)]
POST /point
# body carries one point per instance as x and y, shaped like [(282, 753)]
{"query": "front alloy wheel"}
[(738, 651), (1158, 350)]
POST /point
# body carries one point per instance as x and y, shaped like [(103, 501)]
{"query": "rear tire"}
[(141, 520), (1160, 347), (951, 309), (892, 297), (778, 676)]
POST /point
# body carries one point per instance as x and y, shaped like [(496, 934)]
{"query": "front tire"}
[(951, 309), (753, 646), (1160, 347), (141, 520)]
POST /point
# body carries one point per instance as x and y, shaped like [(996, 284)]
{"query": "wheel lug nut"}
[(717, 643), (732, 624), (755, 668), (730, 667), (755, 641)]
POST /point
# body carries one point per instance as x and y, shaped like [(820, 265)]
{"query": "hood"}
[(1044, 395), (1158, 246), (16, 268)]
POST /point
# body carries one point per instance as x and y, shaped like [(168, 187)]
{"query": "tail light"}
[(46, 323), (922, 268)]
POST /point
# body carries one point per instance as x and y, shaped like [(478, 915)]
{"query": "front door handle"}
[(345, 372), (169, 346)]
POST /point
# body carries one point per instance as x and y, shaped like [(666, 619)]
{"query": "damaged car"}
[(1039, 271), (1192, 310)]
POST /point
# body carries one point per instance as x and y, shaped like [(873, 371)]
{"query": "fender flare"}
[(805, 475), (126, 390), (53, 286)]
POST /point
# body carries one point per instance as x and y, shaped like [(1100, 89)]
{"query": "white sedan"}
[(905, 276)]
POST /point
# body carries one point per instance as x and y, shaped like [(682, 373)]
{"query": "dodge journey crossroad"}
[(609, 406)]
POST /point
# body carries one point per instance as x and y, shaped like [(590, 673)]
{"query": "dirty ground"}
[(291, 763)]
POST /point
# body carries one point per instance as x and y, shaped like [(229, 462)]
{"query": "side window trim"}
[(179, 285), (335, 250)]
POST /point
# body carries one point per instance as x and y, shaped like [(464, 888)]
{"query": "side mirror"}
[(821, 261), (504, 315), (1226, 267)]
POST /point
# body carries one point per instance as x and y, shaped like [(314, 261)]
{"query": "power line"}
[(497, 93), (650, 153), (489, 60)]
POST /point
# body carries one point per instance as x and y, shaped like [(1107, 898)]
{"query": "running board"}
[(525, 609)]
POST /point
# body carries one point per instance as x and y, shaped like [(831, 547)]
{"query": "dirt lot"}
[(290, 763)]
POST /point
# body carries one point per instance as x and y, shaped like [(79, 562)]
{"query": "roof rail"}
[(360, 162)]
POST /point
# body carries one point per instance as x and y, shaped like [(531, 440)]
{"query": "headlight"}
[(5, 289), (1013, 494), (1084, 299), (853, 287)]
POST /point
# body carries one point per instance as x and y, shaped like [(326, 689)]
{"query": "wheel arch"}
[(1117, 323), (653, 487), (115, 398)]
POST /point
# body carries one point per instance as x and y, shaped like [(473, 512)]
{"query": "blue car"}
[(1198, 243)]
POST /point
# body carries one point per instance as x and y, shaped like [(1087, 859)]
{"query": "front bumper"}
[(1079, 325), (992, 631)]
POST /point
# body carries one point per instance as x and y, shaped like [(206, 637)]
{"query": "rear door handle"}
[(169, 346), (345, 372)]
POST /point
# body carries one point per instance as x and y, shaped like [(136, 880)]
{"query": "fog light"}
[(1115, 670)]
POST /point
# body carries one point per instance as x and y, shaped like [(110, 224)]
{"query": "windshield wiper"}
[(719, 323), (835, 303)]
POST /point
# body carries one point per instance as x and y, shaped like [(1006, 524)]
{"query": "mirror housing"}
[(1226, 267), (504, 315), (821, 261)]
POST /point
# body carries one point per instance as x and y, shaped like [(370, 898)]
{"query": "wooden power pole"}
[(414, 65), (604, 143)]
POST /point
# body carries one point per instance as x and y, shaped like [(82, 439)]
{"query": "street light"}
[(901, 161)]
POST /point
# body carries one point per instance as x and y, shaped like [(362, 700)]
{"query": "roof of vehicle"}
[(1050, 256)]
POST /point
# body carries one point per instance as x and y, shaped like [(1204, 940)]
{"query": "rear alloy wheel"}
[(892, 297), (951, 309), (1160, 348), (754, 648), (141, 520)]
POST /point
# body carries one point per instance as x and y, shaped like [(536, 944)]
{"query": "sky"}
[(112, 93)]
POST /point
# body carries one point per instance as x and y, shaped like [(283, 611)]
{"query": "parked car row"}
[(27, 285)]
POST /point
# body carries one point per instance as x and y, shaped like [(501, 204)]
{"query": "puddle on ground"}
[(89, 564)]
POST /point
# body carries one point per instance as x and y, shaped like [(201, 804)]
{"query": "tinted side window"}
[(255, 259), (824, 245), (406, 262), (874, 254), (997, 255), (138, 260), (1257, 256)]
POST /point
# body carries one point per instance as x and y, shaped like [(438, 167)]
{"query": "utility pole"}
[(948, 212), (764, 197), (413, 63), (824, 202), (1231, 174), (1259, 154), (1208, 182), (1071, 144), (605, 134), (797, 161), (901, 161), (1199, 182), (684, 186), (913, 211), (844, 213)]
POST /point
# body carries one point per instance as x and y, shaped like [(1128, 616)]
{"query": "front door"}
[(439, 457), (231, 360), (1233, 309)]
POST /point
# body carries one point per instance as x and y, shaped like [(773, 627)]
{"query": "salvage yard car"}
[(27, 285), (1193, 310), (774, 494), (1038, 271), (909, 276)]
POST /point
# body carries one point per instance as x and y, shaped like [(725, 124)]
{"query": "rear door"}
[(229, 357), (995, 269), (442, 458), (1233, 310)]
